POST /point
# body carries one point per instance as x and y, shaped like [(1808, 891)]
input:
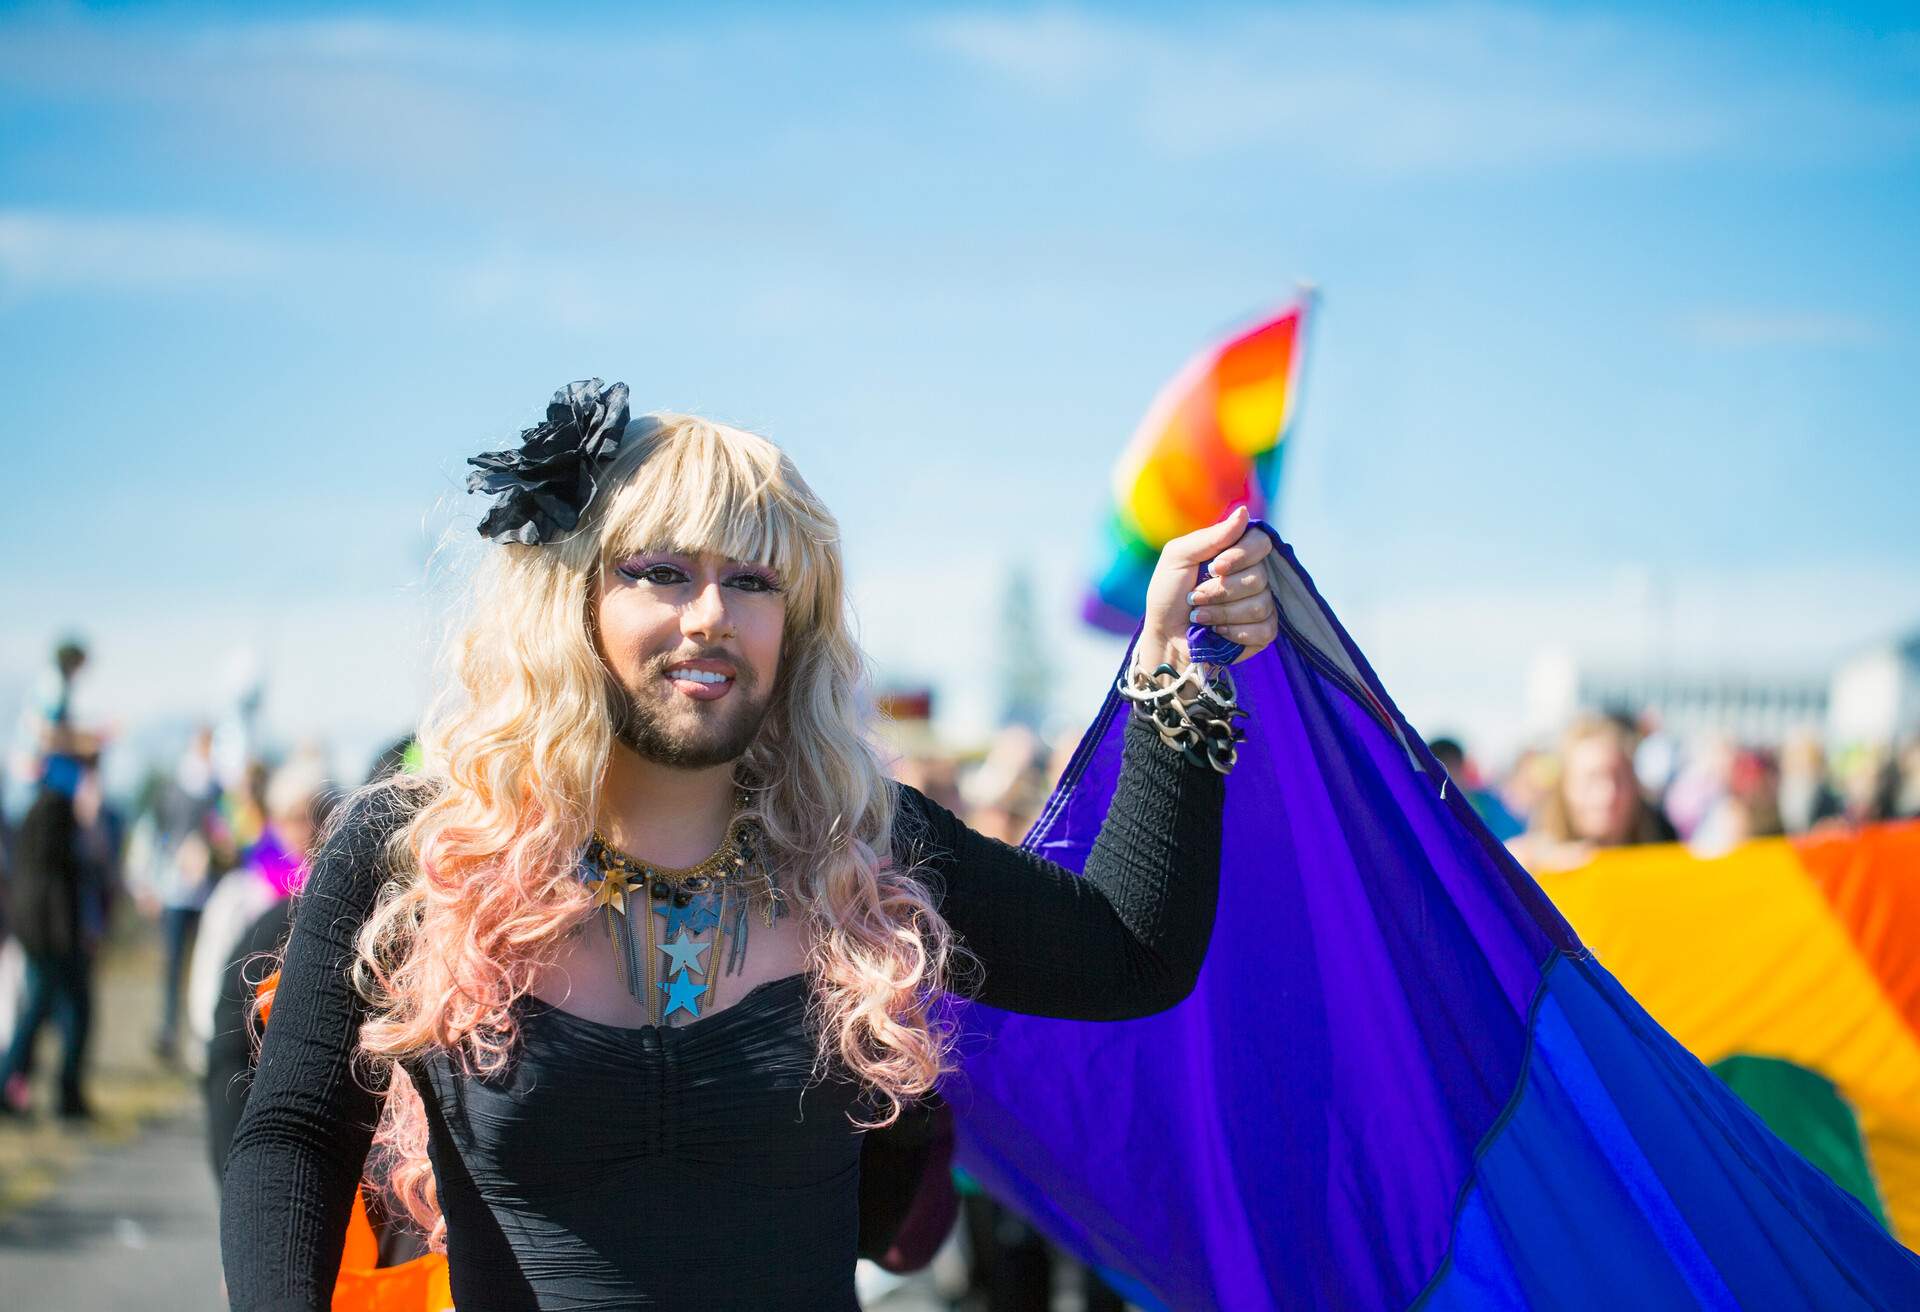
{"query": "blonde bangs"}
[(688, 485)]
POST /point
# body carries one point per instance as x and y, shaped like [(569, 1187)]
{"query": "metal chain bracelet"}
[(1199, 724)]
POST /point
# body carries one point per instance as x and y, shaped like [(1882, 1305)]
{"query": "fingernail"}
[(1193, 599), (1197, 616)]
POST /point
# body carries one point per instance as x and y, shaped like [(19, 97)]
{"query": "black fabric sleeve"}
[(1125, 940), (302, 1141)]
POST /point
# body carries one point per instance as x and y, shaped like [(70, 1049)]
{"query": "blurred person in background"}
[(243, 804), (50, 740), (1755, 790), (1807, 796), (64, 878), (1700, 784), (904, 731), (1906, 797), (936, 776), (1005, 791), (1750, 807), (1869, 784), (183, 852), (12, 960), (102, 835), (50, 731), (1597, 802), (1657, 760), (1532, 777), (1493, 812), (233, 1047), (271, 872)]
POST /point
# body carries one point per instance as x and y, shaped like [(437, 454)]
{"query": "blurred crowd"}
[(1617, 778), (211, 845), (1611, 779), (205, 856)]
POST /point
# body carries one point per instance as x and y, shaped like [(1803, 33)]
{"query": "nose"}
[(705, 616)]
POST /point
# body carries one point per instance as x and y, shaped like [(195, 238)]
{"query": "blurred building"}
[(1025, 675), (1746, 708), (1876, 693), (1872, 696)]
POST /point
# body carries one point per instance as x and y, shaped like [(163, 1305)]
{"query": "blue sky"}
[(1616, 353)]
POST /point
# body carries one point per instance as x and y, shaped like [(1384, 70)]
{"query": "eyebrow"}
[(729, 561)]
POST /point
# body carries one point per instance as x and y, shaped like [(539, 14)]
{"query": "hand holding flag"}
[(1234, 600)]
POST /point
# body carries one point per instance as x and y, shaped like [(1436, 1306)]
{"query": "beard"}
[(683, 734)]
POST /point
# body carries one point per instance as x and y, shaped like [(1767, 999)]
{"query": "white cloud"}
[(39, 250), (478, 108), (1414, 90), (425, 105), (1736, 329), (358, 40), (1051, 52)]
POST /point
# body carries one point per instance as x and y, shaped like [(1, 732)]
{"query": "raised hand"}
[(1235, 601)]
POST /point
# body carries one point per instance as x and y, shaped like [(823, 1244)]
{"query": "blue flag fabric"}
[(1401, 1081)]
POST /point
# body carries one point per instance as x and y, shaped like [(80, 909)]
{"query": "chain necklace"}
[(714, 896)]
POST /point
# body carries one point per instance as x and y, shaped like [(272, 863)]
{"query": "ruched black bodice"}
[(697, 1166), (607, 1166)]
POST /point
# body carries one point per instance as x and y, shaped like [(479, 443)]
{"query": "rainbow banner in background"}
[(1213, 439), (1792, 968)]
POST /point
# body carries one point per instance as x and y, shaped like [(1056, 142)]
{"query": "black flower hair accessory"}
[(545, 485)]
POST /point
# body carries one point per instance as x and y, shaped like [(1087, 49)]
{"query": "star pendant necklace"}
[(692, 922)]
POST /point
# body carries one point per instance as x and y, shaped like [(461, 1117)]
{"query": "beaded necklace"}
[(713, 897)]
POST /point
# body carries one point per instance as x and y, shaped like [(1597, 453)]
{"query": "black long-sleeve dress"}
[(696, 1166)]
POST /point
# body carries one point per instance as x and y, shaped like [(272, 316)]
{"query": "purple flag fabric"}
[(1401, 1080)]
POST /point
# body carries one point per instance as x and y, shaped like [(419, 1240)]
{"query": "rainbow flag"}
[(1403, 1080), (1792, 968), (1213, 439)]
